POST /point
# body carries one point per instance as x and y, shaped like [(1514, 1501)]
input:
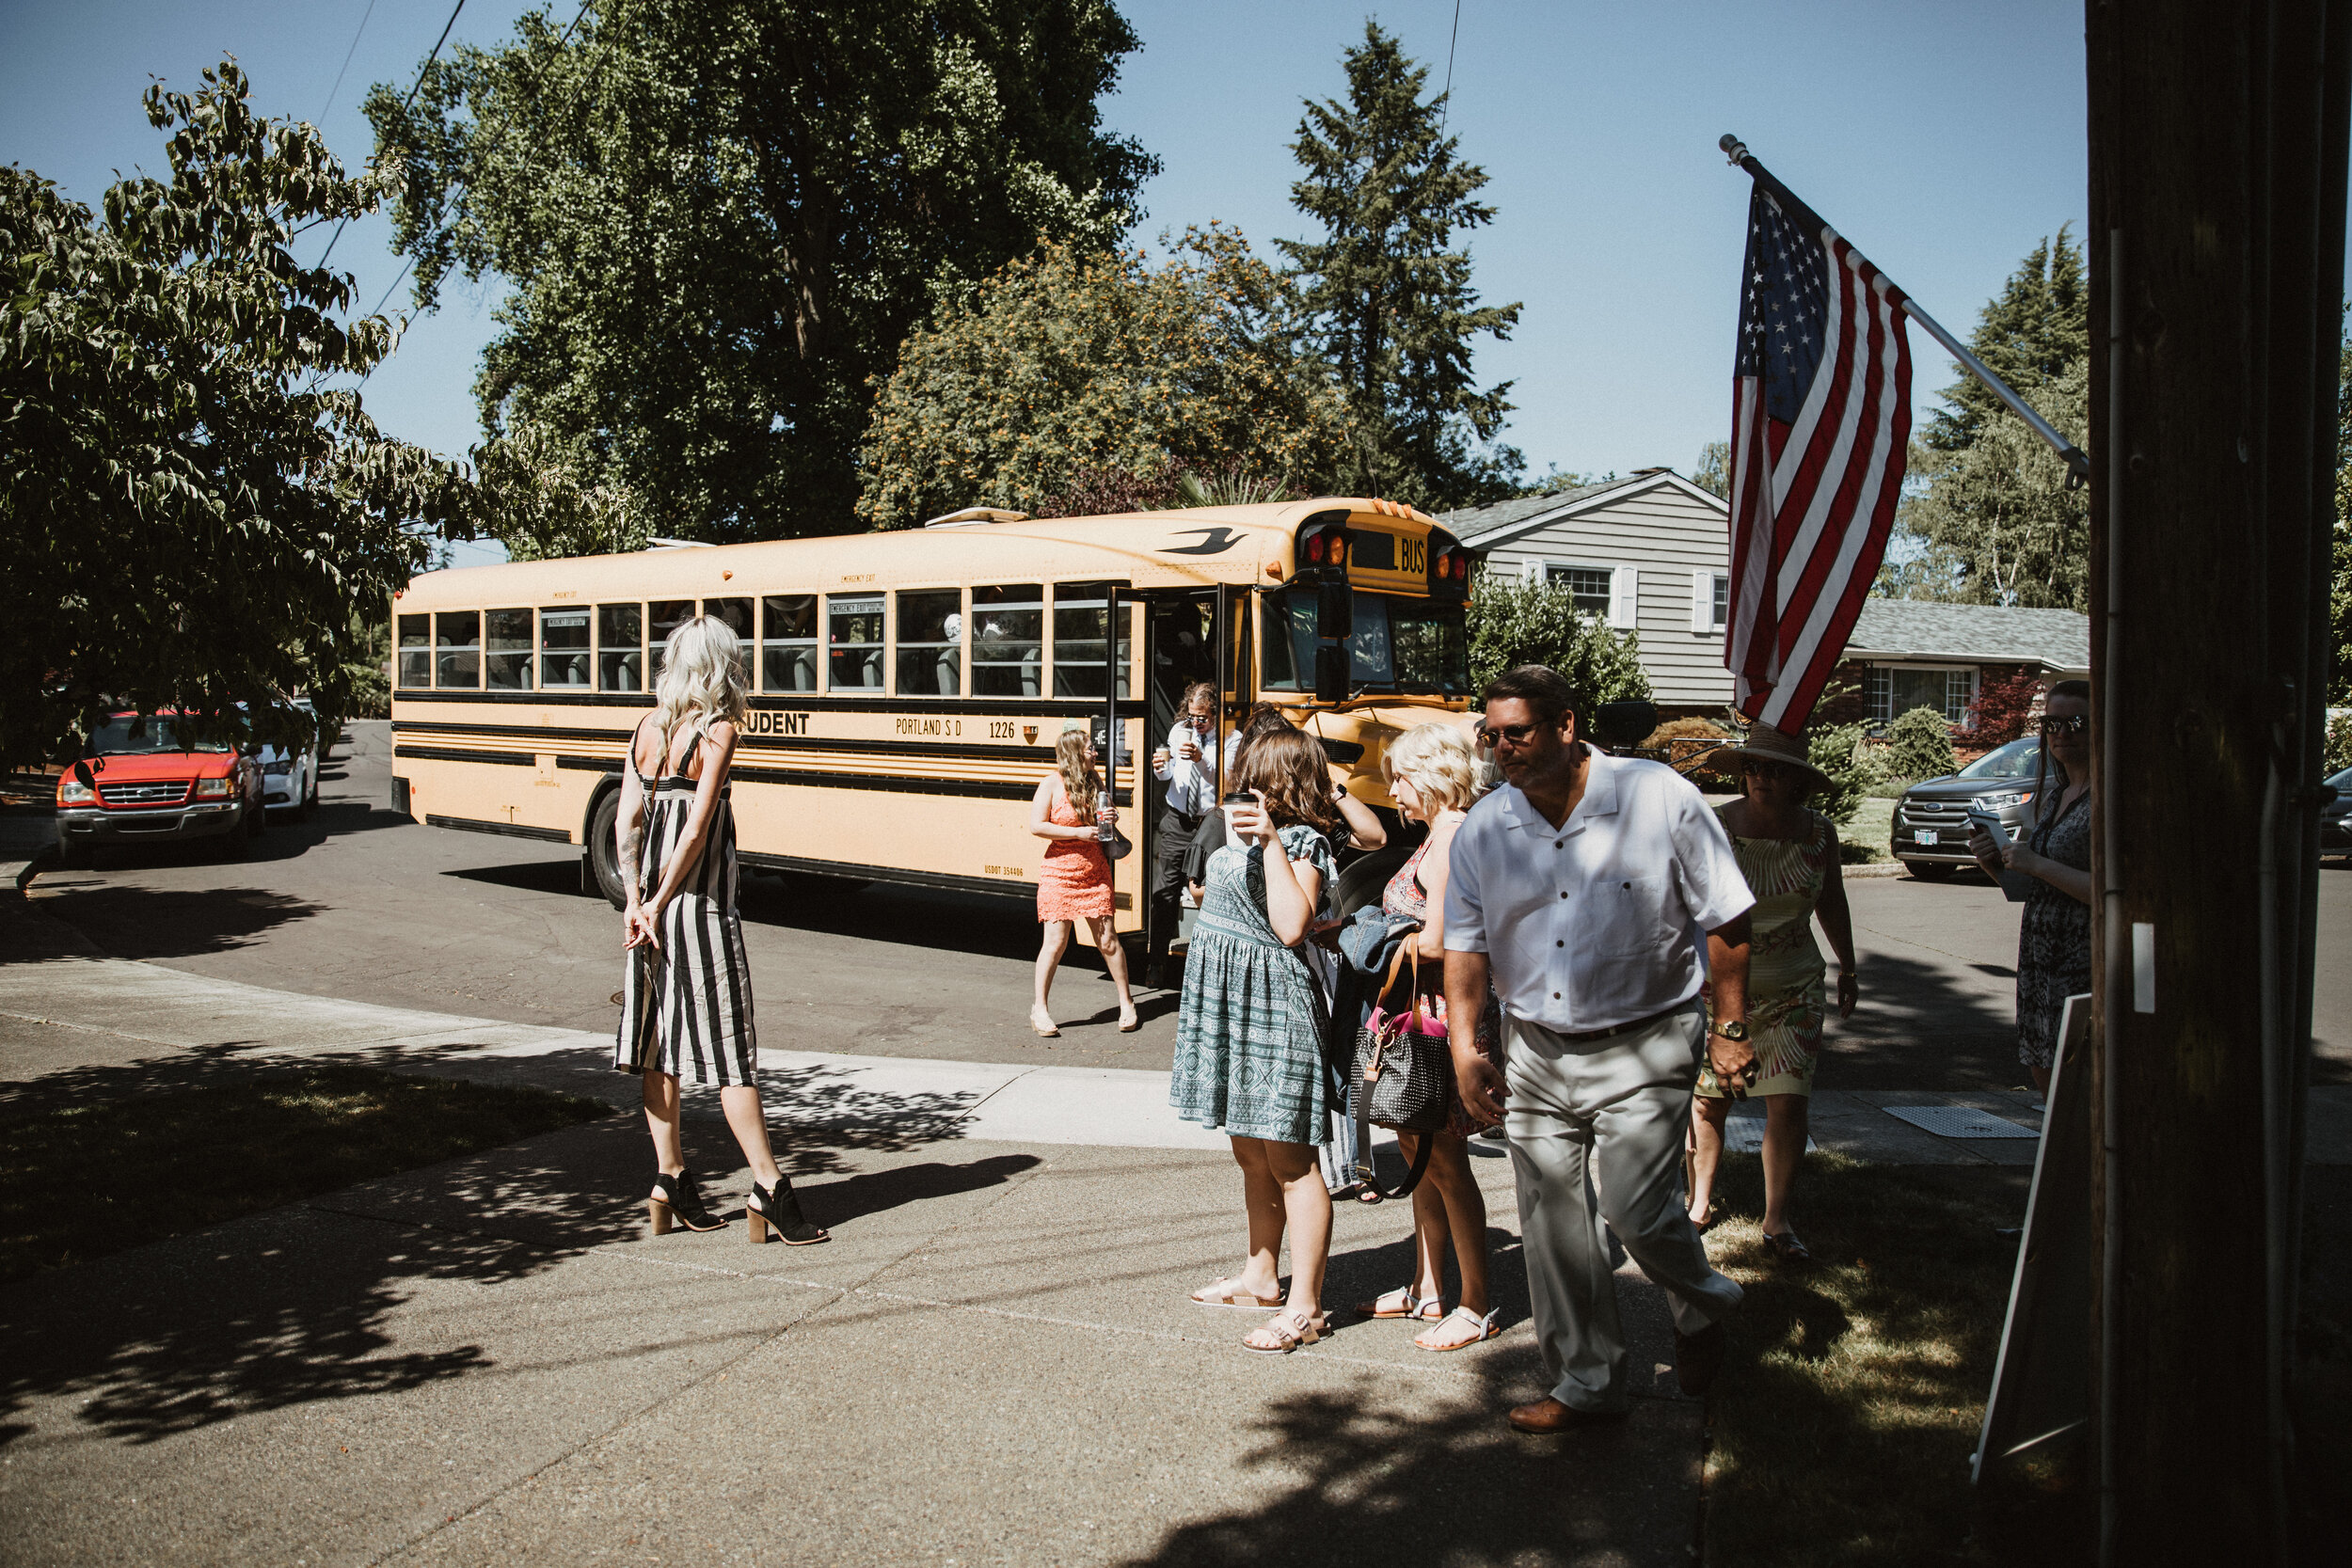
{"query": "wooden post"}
[(2217, 170)]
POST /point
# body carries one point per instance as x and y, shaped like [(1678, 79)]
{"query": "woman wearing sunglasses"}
[(2054, 938)]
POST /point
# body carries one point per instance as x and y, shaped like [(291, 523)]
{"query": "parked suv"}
[(290, 774), (1932, 818), (2335, 817), (144, 781)]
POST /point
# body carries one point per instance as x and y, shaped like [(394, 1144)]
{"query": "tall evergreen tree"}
[(1391, 305), (2030, 334)]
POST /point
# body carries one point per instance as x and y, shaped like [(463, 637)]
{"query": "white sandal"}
[(1427, 1308), (1231, 1292), (1486, 1328), (1290, 1330)]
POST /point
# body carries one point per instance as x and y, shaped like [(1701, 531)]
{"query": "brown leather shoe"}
[(1698, 1357), (1547, 1415)]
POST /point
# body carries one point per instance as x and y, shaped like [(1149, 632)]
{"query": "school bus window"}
[(1008, 640), (930, 643), (564, 649), (457, 648), (788, 649), (737, 613), (416, 650), (854, 634), (620, 647), (506, 652), (1080, 611), (666, 616), (1398, 643)]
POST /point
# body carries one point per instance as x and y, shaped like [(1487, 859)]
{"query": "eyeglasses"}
[(2073, 723), (1508, 735)]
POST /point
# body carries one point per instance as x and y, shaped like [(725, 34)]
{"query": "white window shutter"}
[(1531, 570), (1702, 601), (1624, 602)]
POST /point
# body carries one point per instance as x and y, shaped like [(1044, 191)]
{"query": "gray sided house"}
[(1650, 553), (1916, 653)]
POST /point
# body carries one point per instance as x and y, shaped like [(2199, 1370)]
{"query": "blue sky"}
[(1944, 141)]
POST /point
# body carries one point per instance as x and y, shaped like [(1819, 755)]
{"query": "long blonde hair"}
[(701, 682), (1077, 778)]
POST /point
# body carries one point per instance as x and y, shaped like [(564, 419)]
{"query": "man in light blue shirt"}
[(1597, 893)]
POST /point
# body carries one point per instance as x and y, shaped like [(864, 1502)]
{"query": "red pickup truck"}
[(142, 781)]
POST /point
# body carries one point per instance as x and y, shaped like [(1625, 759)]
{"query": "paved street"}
[(363, 905)]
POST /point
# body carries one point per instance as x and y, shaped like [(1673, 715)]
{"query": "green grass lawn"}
[(97, 1160), (1872, 829), (1841, 1429)]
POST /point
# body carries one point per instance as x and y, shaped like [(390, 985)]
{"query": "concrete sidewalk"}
[(994, 1360)]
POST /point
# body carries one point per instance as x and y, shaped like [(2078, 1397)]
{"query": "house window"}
[(1892, 692), (1592, 587), (1722, 601)]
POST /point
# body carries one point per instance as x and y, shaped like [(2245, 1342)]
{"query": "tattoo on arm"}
[(632, 840)]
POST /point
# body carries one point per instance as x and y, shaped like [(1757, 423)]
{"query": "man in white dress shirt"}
[(1598, 892)]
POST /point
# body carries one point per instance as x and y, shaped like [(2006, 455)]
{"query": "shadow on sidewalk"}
[(1444, 1480)]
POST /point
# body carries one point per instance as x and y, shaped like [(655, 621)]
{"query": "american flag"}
[(1821, 426)]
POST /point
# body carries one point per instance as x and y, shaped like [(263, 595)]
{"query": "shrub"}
[(1919, 745), (1838, 753), (1514, 623), (1694, 763), (2339, 746), (2003, 709)]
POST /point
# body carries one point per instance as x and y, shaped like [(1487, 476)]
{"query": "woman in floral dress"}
[(1788, 854), (1249, 1030)]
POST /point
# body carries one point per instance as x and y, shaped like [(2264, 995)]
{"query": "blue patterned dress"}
[(1250, 1031)]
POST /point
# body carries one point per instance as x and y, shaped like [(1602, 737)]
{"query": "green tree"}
[(1068, 366), (2031, 334), (2340, 590), (1392, 306), (1712, 473), (1515, 621), (720, 218), (1919, 746), (189, 515), (1995, 520), (1837, 752), (533, 495)]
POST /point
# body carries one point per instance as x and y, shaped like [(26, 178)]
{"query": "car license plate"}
[(1926, 836)]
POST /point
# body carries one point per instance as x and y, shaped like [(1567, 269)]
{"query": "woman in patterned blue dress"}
[(1250, 1031)]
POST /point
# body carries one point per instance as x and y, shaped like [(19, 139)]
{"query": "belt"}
[(1629, 1026), (1189, 819)]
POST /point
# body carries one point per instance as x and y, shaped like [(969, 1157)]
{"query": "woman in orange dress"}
[(1074, 883)]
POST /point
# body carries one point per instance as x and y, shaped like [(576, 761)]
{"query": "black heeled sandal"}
[(680, 1203), (778, 1207)]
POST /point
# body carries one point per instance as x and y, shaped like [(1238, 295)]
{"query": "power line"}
[(410, 266), (407, 102), (1447, 106), (347, 54)]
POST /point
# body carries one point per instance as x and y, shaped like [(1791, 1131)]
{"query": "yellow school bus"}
[(908, 688)]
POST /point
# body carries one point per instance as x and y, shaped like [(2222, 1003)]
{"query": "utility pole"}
[(2217, 170)]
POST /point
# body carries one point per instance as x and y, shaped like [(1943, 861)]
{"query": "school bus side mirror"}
[(1335, 611), (1330, 674)]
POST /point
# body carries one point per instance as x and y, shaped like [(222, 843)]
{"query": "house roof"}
[(1970, 633), (1486, 527)]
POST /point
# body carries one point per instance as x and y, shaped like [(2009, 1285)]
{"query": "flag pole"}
[(2078, 466)]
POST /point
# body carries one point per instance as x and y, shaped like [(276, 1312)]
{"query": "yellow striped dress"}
[(1786, 1001)]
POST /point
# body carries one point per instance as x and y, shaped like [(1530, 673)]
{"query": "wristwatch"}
[(1735, 1030)]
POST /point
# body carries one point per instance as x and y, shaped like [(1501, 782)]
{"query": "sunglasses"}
[(2073, 723), (1513, 736)]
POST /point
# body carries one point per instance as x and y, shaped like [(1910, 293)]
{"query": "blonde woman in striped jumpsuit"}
[(686, 987)]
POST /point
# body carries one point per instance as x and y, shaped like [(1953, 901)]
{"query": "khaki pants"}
[(1597, 1133)]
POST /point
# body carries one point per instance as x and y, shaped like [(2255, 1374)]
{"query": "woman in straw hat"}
[(1788, 853)]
